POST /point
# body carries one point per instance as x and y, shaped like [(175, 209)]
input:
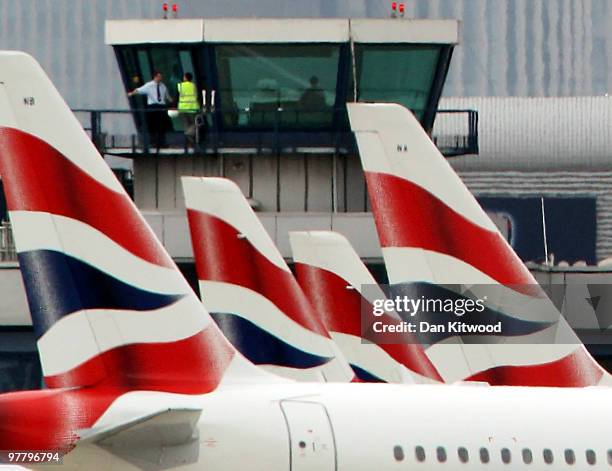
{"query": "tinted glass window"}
[(256, 81), (441, 454), (167, 61), (505, 455), (186, 62), (396, 73), (463, 454), (398, 453), (419, 453), (570, 456), (527, 456), (132, 69), (591, 457), (547, 454), (484, 455), (145, 67)]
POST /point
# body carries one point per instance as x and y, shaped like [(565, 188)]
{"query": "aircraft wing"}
[(157, 441)]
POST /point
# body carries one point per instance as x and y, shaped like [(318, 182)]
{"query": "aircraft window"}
[(484, 455), (463, 454), (591, 457), (548, 456), (398, 453), (609, 456), (441, 454), (419, 452), (527, 456), (570, 456), (505, 455)]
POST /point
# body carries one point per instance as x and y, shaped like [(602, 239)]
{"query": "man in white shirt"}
[(158, 98)]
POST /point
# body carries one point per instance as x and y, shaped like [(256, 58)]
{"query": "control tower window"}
[(292, 86), (139, 62), (145, 66), (396, 73), (167, 61)]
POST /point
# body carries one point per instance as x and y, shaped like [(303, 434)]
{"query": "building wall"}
[(302, 182), (533, 133), (568, 184), (528, 47)]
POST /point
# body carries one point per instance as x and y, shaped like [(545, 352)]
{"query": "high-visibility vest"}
[(188, 97)]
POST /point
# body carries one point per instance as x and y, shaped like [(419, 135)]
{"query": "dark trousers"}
[(158, 124)]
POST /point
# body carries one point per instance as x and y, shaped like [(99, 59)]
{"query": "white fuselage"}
[(353, 427)]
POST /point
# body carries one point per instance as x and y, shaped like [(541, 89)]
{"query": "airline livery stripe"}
[(376, 360), (168, 367), (337, 300), (510, 326), (221, 198), (457, 361), (47, 428), (575, 370), (409, 216), (101, 330), (409, 265), (49, 184), (35, 231), (341, 310), (365, 376), (332, 252), (71, 285), (221, 255), (252, 306), (263, 348)]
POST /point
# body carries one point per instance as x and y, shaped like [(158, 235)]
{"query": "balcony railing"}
[(269, 130), (455, 132)]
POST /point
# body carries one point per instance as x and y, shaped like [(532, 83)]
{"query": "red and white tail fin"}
[(249, 289), (332, 275), (108, 303), (433, 231)]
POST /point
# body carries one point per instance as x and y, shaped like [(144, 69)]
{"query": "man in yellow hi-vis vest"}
[(188, 105)]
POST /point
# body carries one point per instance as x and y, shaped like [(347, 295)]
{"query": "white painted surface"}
[(118, 32), (286, 30), (405, 31)]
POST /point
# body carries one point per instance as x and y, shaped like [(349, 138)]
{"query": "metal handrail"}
[(271, 128)]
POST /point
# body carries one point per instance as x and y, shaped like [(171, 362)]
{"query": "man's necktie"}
[(158, 93)]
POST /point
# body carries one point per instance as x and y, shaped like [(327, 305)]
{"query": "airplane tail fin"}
[(109, 305), (334, 278), (250, 291), (433, 232)]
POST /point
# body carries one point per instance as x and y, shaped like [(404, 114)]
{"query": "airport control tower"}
[(273, 96)]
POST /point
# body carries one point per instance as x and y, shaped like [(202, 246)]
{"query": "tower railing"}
[(264, 130)]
